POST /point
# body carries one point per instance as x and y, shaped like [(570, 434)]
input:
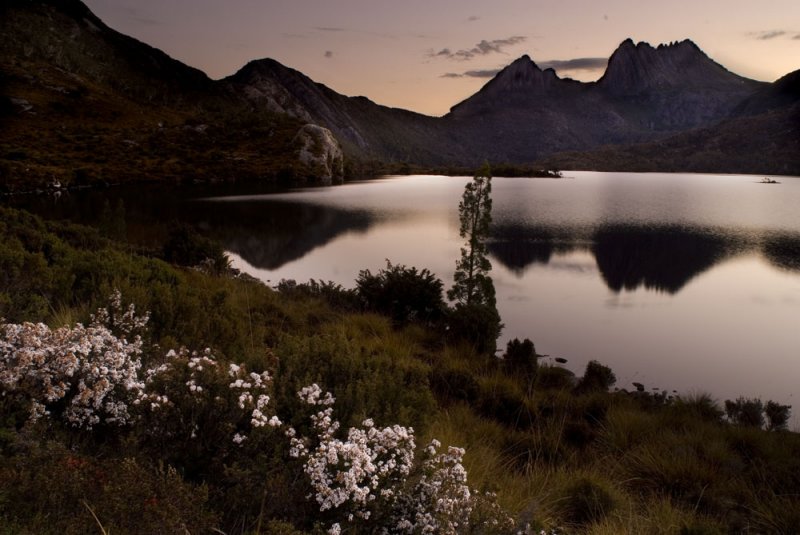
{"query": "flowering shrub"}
[(371, 476), (192, 392), (357, 473), (197, 405), (88, 375), (441, 501)]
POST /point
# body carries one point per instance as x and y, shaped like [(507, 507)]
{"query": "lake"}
[(676, 281)]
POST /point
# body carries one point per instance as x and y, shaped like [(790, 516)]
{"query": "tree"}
[(473, 285), (475, 316)]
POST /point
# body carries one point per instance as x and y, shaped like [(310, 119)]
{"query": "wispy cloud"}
[(329, 29), (328, 54), (577, 64), (560, 65), (483, 48), (772, 34), (473, 18), (478, 73)]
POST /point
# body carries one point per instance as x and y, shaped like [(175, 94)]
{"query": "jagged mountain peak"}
[(518, 82), (638, 67)]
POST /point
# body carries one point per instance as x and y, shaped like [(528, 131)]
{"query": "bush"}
[(744, 411), (520, 358), (477, 324), (455, 383), (404, 294), (554, 378), (701, 406), (186, 247), (334, 294), (777, 415), (596, 378)]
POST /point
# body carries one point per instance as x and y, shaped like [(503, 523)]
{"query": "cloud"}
[(774, 34), (473, 18), (328, 54), (764, 36), (577, 64), (329, 29), (483, 48), (479, 73)]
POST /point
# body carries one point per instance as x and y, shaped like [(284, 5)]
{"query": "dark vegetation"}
[(559, 450)]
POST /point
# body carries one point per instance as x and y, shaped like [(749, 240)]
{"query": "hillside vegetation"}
[(559, 452)]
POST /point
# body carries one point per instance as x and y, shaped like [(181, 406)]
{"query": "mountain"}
[(83, 104), (66, 35), (366, 129), (782, 94), (646, 93)]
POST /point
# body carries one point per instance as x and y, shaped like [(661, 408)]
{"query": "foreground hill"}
[(82, 104), (544, 448)]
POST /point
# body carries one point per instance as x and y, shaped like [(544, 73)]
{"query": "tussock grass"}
[(581, 460)]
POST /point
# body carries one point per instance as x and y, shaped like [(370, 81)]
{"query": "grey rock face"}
[(320, 152)]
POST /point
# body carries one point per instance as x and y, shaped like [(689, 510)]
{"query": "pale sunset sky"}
[(427, 55)]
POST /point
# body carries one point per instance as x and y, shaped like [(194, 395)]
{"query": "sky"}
[(428, 55)]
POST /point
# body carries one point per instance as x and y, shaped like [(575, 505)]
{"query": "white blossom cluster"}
[(369, 465), (91, 370), (252, 389), (441, 501), (118, 318), (200, 373)]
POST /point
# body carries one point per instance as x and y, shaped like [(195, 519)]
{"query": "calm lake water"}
[(686, 282)]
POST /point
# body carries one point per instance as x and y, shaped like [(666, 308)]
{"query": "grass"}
[(557, 456)]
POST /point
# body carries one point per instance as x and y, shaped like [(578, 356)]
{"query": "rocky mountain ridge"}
[(140, 103)]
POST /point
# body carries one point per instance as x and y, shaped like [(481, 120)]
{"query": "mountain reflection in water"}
[(674, 281), (660, 258)]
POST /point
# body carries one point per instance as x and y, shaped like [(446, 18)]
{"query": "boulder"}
[(320, 152)]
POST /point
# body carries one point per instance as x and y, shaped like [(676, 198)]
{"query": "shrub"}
[(334, 294), (186, 247), (84, 375), (454, 383), (701, 406), (520, 358), (476, 324), (744, 411), (404, 294), (777, 415), (554, 378), (596, 378)]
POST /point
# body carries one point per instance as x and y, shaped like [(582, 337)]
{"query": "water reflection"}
[(783, 251), (269, 235), (664, 259)]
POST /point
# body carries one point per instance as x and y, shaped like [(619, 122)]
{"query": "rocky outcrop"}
[(320, 154)]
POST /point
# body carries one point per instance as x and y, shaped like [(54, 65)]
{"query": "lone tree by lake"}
[(473, 290)]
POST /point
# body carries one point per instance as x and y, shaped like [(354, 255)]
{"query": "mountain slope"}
[(68, 36), (365, 128), (766, 143), (81, 103)]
